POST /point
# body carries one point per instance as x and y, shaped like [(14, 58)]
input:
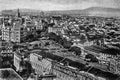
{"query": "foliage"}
[(60, 40), (91, 57), (75, 49), (5, 74)]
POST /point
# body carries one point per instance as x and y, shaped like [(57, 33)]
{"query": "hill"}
[(93, 11)]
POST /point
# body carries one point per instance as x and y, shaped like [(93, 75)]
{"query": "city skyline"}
[(57, 4)]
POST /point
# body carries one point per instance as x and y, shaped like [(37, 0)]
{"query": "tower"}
[(18, 13)]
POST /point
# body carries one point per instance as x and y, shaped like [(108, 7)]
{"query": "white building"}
[(41, 65), (57, 30), (17, 32), (6, 29), (17, 60)]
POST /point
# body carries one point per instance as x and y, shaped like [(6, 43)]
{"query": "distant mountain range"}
[(93, 11)]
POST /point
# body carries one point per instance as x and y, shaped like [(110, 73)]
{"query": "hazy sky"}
[(57, 4)]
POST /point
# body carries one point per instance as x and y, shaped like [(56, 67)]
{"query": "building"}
[(29, 24), (17, 32), (39, 25), (17, 60), (13, 29), (70, 73), (18, 15), (56, 30), (106, 57), (34, 45), (20, 59), (6, 30), (41, 65), (42, 43)]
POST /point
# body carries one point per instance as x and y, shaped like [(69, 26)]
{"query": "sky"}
[(57, 4)]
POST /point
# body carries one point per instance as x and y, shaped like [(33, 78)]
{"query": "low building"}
[(39, 25), (40, 44), (103, 53)]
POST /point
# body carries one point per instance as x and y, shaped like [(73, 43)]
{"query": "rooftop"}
[(104, 50), (75, 62)]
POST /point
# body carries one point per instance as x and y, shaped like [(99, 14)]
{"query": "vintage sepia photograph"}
[(59, 39)]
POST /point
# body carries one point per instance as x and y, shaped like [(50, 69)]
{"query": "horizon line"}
[(56, 9)]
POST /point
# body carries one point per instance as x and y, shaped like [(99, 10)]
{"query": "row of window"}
[(65, 70), (71, 73), (63, 76), (40, 67)]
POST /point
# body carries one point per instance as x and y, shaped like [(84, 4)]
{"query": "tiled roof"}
[(107, 75), (104, 50)]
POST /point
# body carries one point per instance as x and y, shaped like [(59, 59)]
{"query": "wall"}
[(40, 65)]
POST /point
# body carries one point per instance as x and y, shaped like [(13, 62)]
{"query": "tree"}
[(5, 74), (91, 57), (0, 32), (1, 61), (30, 37), (52, 36), (60, 41), (26, 68), (66, 44), (38, 31), (15, 47), (75, 49), (6, 62), (35, 46), (83, 38), (47, 43)]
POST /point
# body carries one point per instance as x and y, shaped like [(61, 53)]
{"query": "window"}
[(36, 46), (21, 28), (39, 44), (40, 58), (30, 44)]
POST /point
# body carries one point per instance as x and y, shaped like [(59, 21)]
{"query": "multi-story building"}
[(71, 73), (10, 71), (17, 32), (44, 66), (41, 65), (106, 56), (39, 25), (29, 24), (17, 60), (12, 29), (6, 30)]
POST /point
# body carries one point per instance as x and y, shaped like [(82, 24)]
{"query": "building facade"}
[(69, 73), (18, 31), (6, 30), (41, 65), (56, 30)]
